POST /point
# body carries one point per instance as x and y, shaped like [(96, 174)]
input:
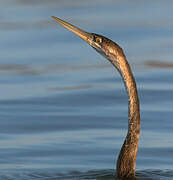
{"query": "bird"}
[(126, 162)]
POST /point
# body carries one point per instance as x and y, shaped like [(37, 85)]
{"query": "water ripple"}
[(108, 174)]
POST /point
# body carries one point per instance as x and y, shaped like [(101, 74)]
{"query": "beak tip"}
[(53, 17)]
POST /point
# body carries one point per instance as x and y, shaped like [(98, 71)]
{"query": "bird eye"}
[(98, 40)]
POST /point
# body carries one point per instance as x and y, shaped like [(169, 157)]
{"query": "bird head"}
[(101, 44)]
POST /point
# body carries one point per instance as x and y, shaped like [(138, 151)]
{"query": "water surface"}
[(64, 107)]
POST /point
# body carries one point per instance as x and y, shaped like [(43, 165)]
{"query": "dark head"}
[(101, 44)]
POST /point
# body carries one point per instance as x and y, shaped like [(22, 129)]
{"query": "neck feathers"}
[(127, 156)]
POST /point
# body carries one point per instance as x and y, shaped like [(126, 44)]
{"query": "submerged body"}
[(125, 168)]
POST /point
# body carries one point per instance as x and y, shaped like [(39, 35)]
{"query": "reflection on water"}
[(64, 108), (49, 68), (11, 26), (158, 64)]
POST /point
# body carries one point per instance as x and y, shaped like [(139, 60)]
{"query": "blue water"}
[(63, 107)]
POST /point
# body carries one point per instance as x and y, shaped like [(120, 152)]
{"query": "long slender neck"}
[(127, 156)]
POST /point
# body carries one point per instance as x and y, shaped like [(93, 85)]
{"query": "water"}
[(64, 108)]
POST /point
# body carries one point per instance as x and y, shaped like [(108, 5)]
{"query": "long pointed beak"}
[(87, 37)]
